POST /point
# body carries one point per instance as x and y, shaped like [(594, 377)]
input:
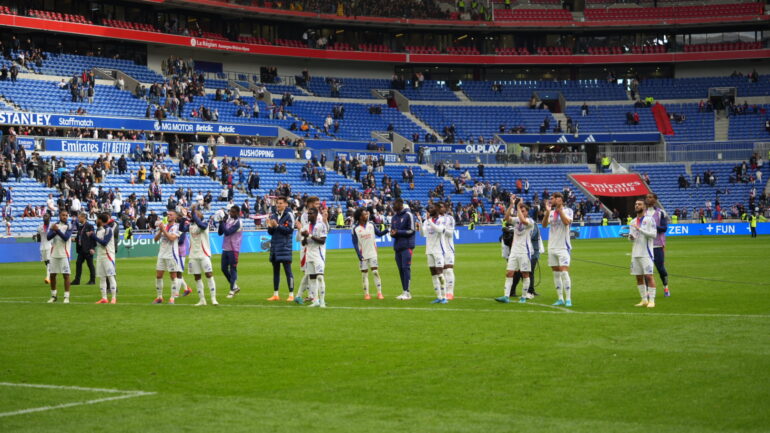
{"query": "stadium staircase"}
[(461, 96), (422, 125), (721, 128)]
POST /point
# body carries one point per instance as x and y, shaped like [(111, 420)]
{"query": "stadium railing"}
[(567, 158)]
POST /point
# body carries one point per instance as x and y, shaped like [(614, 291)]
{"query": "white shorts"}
[(367, 264), (314, 268), (641, 266), (519, 262), (199, 266), (105, 268), (168, 265), (435, 260), (59, 266), (449, 257), (558, 258), (45, 255)]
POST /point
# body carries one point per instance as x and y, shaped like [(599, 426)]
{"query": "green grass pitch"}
[(696, 363)]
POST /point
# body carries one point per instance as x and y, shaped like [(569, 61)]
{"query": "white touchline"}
[(574, 313), (123, 395)]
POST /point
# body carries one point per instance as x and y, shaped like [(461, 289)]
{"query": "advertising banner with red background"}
[(612, 185)]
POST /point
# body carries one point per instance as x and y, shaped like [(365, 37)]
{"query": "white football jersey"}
[(522, 237), (449, 232), (558, 235), (433, 229), (60, 249), (169, 249), (42, 231), (367, 240), (200, 243), (108, 251), (316, 251), (643, 236)]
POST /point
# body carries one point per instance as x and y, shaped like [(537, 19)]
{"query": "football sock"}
[(53, 293), (113, 285), (313, 286), (642, 291), (651, 293), (566, 283), (516, 279), (159, 287), (66, 295), (47, 274), (377, 281), (199, 287), (303, 285), (508, 286), (557, 283), (365, 281), (103, 286), (449, 274), (436, 285), (212, 287), (442, 285), (321, 289), (525, 286)]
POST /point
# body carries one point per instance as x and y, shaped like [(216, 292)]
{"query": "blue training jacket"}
[(403, 224), (281, 242)]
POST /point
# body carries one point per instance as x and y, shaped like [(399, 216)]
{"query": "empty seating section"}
[(463, 51), (532, 15), (554, 51), (664, 181), (723, 46), (341, 46), (377, 48), (697, 126), (6, 10), (57, 16), (253, 40), (472, 122), (611, 118), (419, 49), (751, 125), (46, 97), (671, 12), (358, 88), (605, 50), (429, 91), (688, 88), (582, 90), (129, 25), (212, 35), (512, 51), (648, 49), (69, 64), (358, 122)]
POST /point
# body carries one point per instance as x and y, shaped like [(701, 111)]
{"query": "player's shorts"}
[(59, 266), (314, 268), (367, 264), (641, 266), (105, 268), (45, 254), (435, 260), (449, 257), (168, 265), (199, 266), (558, 258), (519, 262)]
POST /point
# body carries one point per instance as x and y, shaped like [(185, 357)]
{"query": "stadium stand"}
[(472, 122), (670, 12), (697, 88), (532, 15), (69, 64), (582, 90)]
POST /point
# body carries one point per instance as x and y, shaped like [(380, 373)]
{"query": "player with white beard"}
[(365, 235)]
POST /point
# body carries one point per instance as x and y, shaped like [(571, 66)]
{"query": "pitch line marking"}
[(476, 310), (124, 394)]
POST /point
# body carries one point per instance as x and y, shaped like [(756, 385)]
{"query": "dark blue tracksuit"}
[(403, 244), (280, 248)]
